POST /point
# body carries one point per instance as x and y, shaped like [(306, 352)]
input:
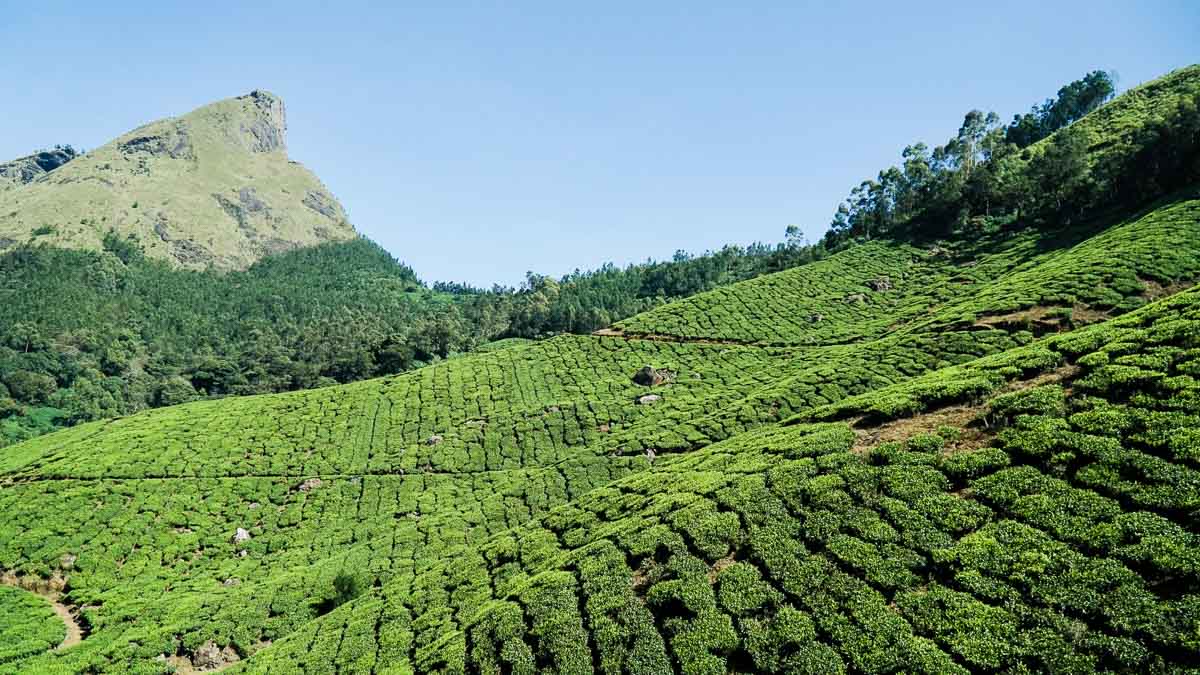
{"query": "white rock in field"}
[(241, 535), (310, 484)]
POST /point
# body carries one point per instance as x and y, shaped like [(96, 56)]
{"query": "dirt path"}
[(658, 337), (45, 590), (74, 631)]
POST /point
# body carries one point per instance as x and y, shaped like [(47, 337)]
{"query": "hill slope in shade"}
[(213, 187)]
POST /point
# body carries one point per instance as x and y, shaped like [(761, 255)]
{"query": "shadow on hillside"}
[(1046, 238)]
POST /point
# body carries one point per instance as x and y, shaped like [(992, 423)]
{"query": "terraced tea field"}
[(1046, 521), (947, 474), (879, 289), (30, 626)]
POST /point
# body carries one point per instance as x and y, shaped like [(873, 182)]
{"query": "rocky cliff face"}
[(29, 168), (214, 187)]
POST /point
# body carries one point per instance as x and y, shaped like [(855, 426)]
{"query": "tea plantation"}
[(1052, 528), (979, 455), (29, 626)]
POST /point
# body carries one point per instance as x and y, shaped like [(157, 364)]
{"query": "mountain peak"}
[(213, 187), (270, 125)]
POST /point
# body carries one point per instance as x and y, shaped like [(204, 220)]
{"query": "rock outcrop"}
[(32, 167), (209, 656), (649, 376)]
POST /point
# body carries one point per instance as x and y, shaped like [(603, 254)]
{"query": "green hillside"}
[(1042, 518), (213, 187), (29, 627), (91, 335), (88, 335), (966, 453)]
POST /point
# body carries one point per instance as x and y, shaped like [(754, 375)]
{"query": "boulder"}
[(241, 535), (208, 656), (649, 399), (649, 376), (880, 284), (434, 440), (309, 484)]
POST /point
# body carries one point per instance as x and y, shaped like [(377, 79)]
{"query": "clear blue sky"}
[(479, 141)]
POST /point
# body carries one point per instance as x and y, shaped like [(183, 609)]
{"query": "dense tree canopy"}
[(1040, 169)]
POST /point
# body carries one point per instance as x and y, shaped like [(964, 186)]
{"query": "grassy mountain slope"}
[(986, 461), (213, 187)]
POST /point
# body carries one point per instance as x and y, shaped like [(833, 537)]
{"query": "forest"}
[(991, 176)]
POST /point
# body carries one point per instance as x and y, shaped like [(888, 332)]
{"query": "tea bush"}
[(28, 625), (920, 481)]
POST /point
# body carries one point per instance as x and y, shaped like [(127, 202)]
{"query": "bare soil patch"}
[(51, 590), (960, 417)]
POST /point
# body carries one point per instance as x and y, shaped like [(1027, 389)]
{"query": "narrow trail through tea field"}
[(74, 630), (658, 337)]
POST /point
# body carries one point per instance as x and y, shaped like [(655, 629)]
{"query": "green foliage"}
[(127, 249), (524, 509), (582, 302), (1073, 102), (1047, 400), (1067, 159), (99, 338), (28, 625), (346, 587)]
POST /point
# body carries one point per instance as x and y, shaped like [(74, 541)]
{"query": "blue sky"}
[(477, 141)]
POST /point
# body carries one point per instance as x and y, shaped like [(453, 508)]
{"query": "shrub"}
[(1048, 400)]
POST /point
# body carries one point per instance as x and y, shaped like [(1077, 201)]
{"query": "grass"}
[(155, 179)]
